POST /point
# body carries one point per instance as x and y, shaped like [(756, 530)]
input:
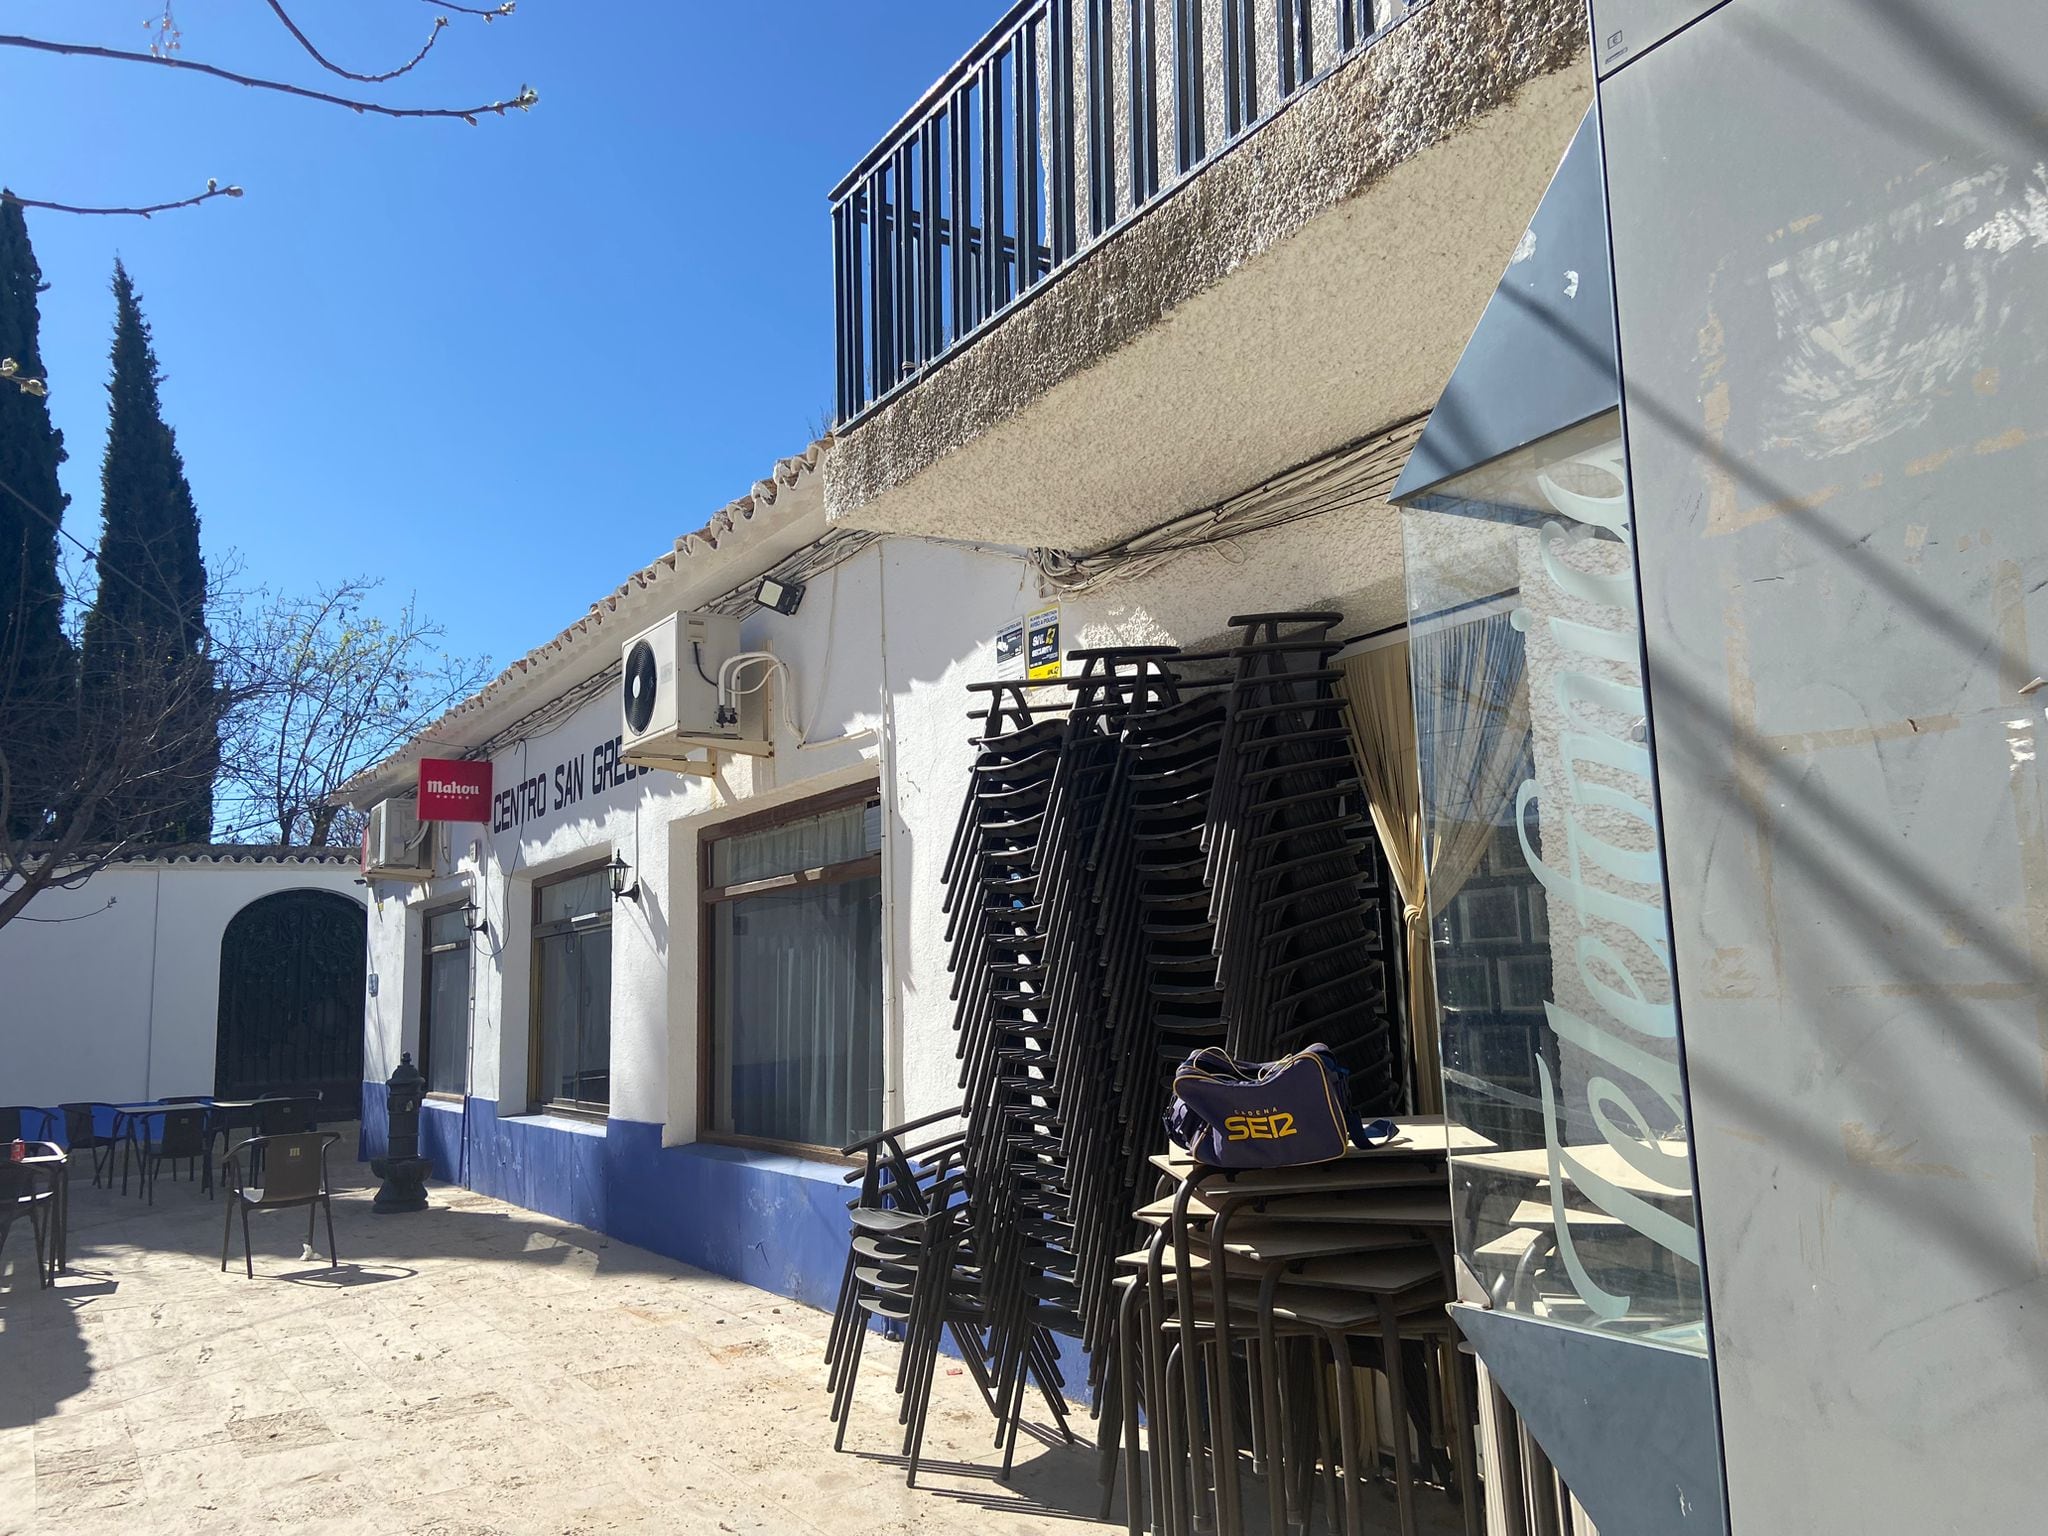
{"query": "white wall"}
[(881, 651), (122, 1002)]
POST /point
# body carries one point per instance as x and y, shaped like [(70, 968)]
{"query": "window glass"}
[(444, 1002), (1547, 911), (572, 986), (796, 982), (809, 842), (575, 897), (449, 927), (446, 1028)]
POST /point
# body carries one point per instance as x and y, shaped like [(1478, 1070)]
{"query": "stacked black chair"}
[(911, 1267), (1162, 852), (1298, 880)]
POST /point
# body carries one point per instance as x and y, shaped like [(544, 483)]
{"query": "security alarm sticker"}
[(1042, 644), (1010, 650)]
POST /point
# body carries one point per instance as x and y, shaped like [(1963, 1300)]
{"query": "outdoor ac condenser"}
[(395, 846), (668, 693)]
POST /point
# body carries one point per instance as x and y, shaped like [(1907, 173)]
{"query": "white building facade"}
[(580, 1048)]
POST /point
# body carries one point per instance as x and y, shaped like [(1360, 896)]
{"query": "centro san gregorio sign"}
[(454, 790)]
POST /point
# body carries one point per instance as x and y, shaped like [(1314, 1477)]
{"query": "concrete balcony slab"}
[(1310, 287)]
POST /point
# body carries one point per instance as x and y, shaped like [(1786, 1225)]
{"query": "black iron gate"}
[(291, 998)]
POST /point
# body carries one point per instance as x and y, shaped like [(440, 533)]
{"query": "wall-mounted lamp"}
[(471, 919), (619, 869), (782, 596)]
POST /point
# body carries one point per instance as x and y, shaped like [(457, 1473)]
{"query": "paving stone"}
[(477, 1370)]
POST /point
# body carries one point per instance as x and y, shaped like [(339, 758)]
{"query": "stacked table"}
[(1283, 1280)]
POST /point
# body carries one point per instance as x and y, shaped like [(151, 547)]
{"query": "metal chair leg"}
[(1398, 1426), (1325, 1448), (844, 1407), (1461, 1430), (248, 1250), (333, 1254), (1347, 1432), (227, 1235), (1134, 1481)]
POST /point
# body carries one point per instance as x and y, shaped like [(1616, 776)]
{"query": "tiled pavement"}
[(473, 1369)]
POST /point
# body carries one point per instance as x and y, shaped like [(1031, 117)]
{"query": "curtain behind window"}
[(448, 1021), (797, 1013), (575, 985), (836, 837)]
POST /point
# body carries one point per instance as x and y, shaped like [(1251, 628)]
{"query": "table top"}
[(1418, 1304), (1602, 1161), (1340, 1173), (150, 1107), (1415, 1136), (1399, 1207)]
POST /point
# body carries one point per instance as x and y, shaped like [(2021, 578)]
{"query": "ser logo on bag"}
[(1269, 1127)]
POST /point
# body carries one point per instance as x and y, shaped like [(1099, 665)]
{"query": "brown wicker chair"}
[(294, 1172)]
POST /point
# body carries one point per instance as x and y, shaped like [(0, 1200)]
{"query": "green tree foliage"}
[(36, 659), (145, 636)]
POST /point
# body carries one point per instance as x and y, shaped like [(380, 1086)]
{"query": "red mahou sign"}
[(454, 790)]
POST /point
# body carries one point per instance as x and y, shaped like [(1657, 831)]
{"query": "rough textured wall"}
[(1445, 67)]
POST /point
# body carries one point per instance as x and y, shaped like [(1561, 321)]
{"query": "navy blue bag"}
[(1265, 1114)]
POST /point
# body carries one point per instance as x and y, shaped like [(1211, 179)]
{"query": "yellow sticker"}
[(1042, 644)]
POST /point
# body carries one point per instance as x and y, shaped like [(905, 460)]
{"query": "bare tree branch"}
[(526, 98), (213, 190), (328, 686), (333, 68), (492, 14)]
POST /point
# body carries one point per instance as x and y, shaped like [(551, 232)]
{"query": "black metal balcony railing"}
[(969, 204)]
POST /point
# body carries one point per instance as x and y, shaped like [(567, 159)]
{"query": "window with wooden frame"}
[(444, 1001), (790, 966), (572, 992)]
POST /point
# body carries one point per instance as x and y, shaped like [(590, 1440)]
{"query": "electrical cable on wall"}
[(1359, 475)]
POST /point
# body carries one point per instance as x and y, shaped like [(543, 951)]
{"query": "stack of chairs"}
[(911, 1268), (1159, 992), (1029, 1017), (1161, 852), (1298, 881)]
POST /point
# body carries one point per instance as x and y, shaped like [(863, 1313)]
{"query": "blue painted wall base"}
[(772, 1221), (766, 1219)]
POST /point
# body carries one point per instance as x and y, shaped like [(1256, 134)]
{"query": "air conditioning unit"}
[(395, 845), (668, 694)]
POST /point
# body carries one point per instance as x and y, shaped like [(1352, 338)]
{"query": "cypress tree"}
[(36, 661), (145, 643)]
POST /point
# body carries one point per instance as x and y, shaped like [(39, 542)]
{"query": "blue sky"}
[(500, 366)]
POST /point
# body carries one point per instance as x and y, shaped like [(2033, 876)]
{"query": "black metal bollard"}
[(402, 1169)]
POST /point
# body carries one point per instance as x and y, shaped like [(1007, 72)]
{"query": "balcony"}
[(972, 200), (1168, 237)]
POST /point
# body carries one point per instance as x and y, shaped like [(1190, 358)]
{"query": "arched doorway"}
[(291, 998)]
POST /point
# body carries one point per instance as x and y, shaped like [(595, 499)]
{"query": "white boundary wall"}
[(121, 1002)]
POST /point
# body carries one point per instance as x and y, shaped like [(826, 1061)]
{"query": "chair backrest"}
[(184, 1133), (16, 1185), (284, 1117), (10, 1122), (80, 1129), (294, 1167)]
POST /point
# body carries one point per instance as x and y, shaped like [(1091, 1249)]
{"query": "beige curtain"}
[(1382, 717), (1477, 721)]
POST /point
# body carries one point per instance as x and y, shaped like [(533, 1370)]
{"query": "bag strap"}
[(1367, 1134)]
